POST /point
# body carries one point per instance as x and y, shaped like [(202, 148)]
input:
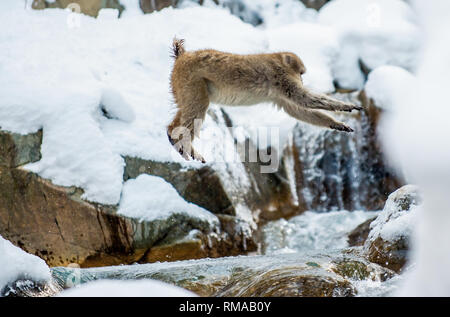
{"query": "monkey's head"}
[(293, 63)]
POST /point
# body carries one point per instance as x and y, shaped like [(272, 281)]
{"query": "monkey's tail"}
[(177, 47)]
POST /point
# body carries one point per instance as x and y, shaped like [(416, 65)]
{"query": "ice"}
[(17, 264)]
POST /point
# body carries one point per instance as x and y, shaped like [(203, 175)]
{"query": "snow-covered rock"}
[(16, 265), (385, 84), (390, 234)]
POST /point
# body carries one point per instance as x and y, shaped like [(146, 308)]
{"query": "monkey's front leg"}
[(294, 91), (315, 117)]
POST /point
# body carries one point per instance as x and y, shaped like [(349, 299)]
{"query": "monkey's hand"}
[(348, 107), (341, 127), (196, 156)]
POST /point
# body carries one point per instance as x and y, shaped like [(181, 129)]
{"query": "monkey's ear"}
[(287, 59), (293, 62)]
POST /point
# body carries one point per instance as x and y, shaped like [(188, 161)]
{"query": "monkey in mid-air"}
[(204, 76)]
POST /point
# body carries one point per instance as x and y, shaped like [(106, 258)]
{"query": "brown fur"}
[(204, 76)]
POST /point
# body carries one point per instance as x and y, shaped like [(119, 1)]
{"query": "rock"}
[(17, 149), (27, 288), (314, 4), (335, 171), (388, 242), (358, 236), (236, 7), (264, 196), (281, 275), (358, 270), (149, 6), (239, 9), (68, 229), (89, 7)]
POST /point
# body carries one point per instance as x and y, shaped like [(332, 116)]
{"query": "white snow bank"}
[(16, 264), (150, 197), (378, 32), (386, 83), (418, 136), (114, 288)]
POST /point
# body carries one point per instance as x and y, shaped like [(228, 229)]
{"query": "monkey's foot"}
[(179, 146), (185, 150), (341, 127)]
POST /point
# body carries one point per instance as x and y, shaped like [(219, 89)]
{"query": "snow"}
[(138, 288), (393, 222), (383, 85), (317, 46), (60, 87), (116, 107), (417, 136), (377, 32), (279, 13), (17, 264), (150, 197)]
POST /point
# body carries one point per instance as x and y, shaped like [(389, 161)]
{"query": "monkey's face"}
[(294, 64)]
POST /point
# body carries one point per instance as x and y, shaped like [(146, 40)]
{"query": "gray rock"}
[(17, 149), (358, 236)]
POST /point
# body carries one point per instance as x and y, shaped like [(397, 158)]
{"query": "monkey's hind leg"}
[(193, 101), (315, 117)]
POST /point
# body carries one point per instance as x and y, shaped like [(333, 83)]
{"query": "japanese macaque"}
[(204, 76)]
